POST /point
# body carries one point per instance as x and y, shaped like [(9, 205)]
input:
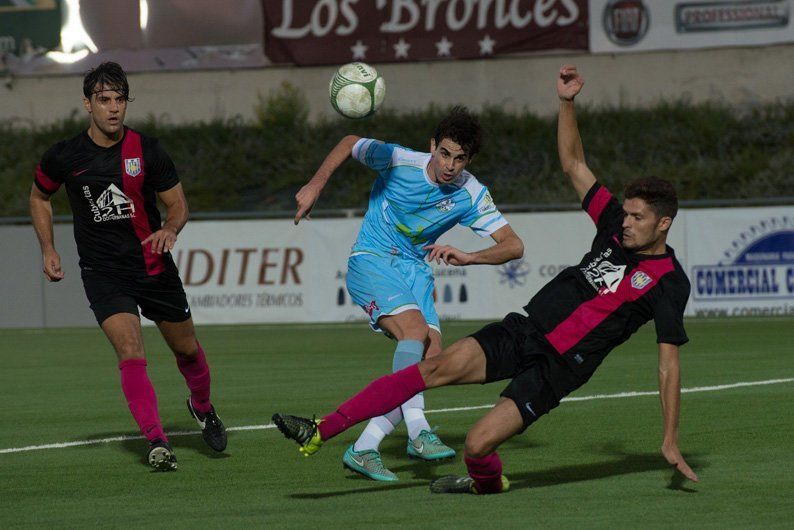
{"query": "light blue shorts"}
[(390, 285)]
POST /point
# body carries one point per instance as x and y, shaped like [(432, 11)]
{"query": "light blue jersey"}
[(407, 210)]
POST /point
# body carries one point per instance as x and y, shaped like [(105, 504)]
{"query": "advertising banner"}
[(57, 36), (741, 261), (313, 32), (28, 27), (272, 271), (642, 25)]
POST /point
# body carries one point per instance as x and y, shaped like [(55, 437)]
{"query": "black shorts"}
[(515, 349), (160, 297)]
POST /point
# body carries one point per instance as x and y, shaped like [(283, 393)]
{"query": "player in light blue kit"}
[(416, 198)]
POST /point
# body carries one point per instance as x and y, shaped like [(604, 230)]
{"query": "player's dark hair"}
[(109, 75), (461, 127), (658, 193)]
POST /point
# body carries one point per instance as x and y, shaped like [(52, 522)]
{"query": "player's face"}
[(642, 228), (447, 161), (107, 109)]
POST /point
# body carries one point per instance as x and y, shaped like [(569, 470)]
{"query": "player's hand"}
[(161, 241), (569, 83), (52, 266), (447, 254), (305, 198), (674, 458)]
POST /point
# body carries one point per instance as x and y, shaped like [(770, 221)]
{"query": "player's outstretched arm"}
[(308, 194), (41, 214), (569, 143), (670, 395), (508, 247), (176, 213)]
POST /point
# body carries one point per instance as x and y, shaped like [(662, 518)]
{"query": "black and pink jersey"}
[(594, 306), (112, 192)]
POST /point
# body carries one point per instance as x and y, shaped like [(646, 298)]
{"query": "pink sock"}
[(141, 398), (379, 397), (486, 472), (197, 376)]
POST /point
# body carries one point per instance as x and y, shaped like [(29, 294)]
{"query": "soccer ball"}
[(356, 90)]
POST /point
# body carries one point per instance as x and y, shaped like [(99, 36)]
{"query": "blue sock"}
[(408, 353)]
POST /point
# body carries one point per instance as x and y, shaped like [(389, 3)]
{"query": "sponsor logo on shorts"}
[(371, 308)]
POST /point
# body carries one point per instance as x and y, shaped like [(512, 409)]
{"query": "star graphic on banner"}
[(359, 50), (486, 45), (401, 49), (444, 46)]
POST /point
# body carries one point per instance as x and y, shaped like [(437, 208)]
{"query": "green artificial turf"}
[(592, 463)]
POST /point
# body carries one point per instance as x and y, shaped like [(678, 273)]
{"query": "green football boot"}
[(367, 463), (458, 484), (302, 430), (427, 446)]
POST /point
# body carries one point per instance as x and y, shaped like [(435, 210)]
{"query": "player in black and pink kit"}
[(113, 176), (628, 277)]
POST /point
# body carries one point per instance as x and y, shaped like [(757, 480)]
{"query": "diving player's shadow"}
[(625, 464)]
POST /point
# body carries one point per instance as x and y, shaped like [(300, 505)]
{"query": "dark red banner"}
[(309, 32)]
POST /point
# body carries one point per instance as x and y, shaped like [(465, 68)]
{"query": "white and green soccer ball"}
[(356, 90)]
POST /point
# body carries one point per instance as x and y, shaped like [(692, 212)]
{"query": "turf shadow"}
[(624, 464), (374, 488), (139, 447)]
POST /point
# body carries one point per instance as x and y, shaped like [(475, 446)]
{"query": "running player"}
[(113, 176), (628, 277), (416, 198)]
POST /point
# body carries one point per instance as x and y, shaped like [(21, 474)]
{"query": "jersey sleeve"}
[(160, 171), (374, 153), (484, 218), (50, 171), (669, 314), (603, 208)]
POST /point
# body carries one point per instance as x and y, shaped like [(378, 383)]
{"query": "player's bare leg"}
[(192, 363), (124, 332), (483, 463)]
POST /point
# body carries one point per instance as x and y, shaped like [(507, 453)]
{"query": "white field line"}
[(61, 445)]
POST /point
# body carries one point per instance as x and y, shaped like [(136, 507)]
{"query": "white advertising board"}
[(642, 25), (741, 261), (272, 271)]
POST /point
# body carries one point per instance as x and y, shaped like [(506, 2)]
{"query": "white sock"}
[(377, 429), (414, 414)]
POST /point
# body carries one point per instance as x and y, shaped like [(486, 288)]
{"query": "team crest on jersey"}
[(639, 280), (132, 166), (445, 205)]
